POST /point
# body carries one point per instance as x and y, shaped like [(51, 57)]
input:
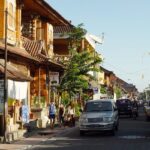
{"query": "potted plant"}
[(38, 104)]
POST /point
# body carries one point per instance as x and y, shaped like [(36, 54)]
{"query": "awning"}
[(17, 51), (55, 66), (42, 8), (13, 73), (35, 49)]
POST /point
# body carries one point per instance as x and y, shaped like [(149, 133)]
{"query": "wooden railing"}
[(62, 59)]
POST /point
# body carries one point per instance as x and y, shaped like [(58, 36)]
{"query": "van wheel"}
[(82, 133)]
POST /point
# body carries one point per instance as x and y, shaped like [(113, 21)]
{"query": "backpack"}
[(52, 109)]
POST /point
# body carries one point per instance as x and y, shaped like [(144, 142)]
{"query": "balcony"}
[(61, 59)]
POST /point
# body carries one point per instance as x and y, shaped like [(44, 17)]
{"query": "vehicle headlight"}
[(108, 119), (83, 120)]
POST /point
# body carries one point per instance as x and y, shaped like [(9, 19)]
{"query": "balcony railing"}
[(61, 59)]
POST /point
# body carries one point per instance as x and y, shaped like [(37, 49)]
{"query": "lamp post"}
[(5, 80)]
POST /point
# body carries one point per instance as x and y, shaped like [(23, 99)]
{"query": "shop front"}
[(16, 108)]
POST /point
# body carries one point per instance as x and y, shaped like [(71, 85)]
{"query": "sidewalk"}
[(35, 138)]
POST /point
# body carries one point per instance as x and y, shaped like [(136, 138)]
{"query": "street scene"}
[(74, 77), (132, 134)]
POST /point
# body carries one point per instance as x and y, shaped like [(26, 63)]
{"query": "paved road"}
[(132, 135)]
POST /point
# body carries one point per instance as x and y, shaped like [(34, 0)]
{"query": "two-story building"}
[(26, 32)]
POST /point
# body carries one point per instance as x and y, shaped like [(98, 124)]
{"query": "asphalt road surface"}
[(132, 135)]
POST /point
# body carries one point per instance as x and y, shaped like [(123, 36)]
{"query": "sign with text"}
[(54, 77)]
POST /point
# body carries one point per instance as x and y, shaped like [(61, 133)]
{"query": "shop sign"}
[(54, 78), (95, 90)]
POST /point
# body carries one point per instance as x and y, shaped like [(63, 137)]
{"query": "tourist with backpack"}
[(52, 114)]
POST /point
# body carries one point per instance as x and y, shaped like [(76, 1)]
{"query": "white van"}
[(99, 115)]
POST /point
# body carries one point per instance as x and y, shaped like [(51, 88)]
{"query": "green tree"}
[(118, 92), (77, 70), (103, 90)]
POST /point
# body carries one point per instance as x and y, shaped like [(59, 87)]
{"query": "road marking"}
[(133, 137)]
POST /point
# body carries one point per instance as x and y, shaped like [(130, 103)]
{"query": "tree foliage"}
[(80, 64), (118, 92), (103, 90)]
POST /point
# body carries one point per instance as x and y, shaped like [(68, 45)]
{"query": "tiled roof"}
[(35, 48), (62, 29), (18, 51), (105, 70), (57, 15), (13, 73)]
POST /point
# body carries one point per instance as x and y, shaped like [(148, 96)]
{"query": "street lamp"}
[(5, 81)]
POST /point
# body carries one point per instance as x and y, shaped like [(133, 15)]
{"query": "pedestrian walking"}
[(71, 115), (61, 113), (52, 114)]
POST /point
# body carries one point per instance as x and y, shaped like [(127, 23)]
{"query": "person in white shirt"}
[(71, 115)]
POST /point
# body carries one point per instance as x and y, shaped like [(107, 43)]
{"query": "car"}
[(99, 115), (124, 107)]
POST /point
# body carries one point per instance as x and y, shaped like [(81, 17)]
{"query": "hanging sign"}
[(54, 77)]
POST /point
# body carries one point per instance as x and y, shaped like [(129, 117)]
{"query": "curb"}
[(52, 137)]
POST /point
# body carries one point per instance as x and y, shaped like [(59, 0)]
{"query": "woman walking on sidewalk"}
[(52, 114), (71, 115), (61, 112)]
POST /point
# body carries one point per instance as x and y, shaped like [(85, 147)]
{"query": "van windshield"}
[(98, 106)]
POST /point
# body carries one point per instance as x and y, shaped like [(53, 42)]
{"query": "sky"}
[(126, 28)]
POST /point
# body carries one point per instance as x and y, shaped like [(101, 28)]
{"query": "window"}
[(98, 106)]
